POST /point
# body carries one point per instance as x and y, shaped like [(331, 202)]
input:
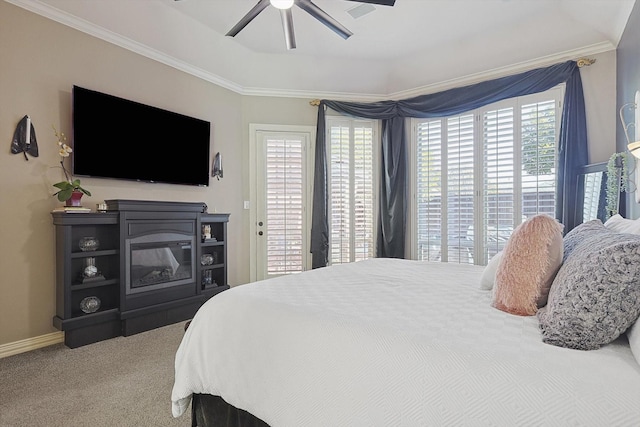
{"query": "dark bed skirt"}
[(213, 411)]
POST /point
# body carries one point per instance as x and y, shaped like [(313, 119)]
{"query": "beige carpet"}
[(125, 381)]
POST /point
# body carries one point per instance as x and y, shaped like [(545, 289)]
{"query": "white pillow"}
[(488, 277), (622, 225), (633, 333)]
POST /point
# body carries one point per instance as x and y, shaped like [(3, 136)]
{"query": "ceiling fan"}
[(287, 18)]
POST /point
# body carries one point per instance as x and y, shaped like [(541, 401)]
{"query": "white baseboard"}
[(29, 344)]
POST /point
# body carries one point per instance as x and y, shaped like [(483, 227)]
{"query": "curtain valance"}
[(393, 200)]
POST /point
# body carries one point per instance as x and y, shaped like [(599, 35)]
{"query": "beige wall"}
[(599, 87), (40, 61)]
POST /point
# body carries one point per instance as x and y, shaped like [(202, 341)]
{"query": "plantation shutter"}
[(460, 190), (539, 157), (351, 190), (499, 179), (340, 189), (592, 185), (284, 205), (363, 183), (444, 223), (495, 175), (429, 189)]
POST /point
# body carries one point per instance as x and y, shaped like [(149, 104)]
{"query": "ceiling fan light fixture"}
[(281, 4), (308, 6)]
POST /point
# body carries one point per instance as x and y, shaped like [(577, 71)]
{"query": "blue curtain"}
[(392, 207)]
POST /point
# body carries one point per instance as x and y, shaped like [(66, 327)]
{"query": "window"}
[(478, 175), (351, 159), (592, 189)]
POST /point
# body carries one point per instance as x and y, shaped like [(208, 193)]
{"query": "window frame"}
[(556, 93)]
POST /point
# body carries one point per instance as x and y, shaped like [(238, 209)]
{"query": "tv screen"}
[(122, 139)]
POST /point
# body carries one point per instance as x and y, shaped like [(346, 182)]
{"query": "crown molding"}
[(336, 96), (84, 26), (505, 71), (87, 27)]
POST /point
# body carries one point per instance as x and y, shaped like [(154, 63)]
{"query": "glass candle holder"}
[(206, 259), (88, 243), (90, 304)]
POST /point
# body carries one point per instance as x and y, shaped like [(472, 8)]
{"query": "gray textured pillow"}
[(586, 231), (595, 296)]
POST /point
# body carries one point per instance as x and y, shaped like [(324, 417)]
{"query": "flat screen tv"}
[(122, 139)]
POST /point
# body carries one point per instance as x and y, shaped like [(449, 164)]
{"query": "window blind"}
[(480, 174), (284, 206), (351, 190)]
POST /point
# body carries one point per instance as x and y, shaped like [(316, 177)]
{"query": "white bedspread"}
[(389, 342)]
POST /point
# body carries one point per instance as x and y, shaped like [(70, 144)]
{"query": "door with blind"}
[(282, 195), (478, 175)]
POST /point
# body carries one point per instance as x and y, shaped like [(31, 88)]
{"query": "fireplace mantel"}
[(136, 225), (122, 205)]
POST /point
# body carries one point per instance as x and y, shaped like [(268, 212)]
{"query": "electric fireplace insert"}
[(159, 260)]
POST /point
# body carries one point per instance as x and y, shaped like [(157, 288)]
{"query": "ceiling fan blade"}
[(262, 4), (380, 2), (322, 16), (287, 26)]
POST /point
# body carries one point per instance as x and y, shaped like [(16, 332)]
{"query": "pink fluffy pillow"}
[(530, 260)]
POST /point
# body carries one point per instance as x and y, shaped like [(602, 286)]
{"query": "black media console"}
[(138, 266)]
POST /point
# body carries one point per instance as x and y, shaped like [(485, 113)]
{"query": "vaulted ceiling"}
[(395, 51)]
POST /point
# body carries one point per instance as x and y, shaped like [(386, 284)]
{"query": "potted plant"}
[(69, 191)]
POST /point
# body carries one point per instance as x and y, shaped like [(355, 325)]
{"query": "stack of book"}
[(71, 209)]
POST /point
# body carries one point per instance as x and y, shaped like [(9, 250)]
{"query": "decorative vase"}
[(74, 200)]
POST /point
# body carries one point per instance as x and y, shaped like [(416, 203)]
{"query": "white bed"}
[(388, 342)]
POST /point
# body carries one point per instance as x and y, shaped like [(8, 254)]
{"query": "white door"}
[(282, 184)]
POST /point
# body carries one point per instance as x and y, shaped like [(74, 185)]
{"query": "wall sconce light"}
[(217, 166), (633, 143)]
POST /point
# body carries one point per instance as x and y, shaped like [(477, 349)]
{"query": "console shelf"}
[(122, 310), (94, 253), (91, 285)]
